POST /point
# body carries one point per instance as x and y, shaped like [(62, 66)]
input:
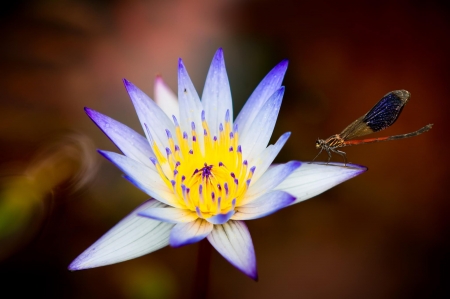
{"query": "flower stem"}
[(201, 283)]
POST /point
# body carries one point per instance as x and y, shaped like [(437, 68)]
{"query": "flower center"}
[(206, 171), (206, 174)]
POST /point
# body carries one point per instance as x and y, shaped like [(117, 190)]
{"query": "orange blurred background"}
[(384, 234)]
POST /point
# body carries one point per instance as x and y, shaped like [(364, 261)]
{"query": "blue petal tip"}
[(284, 62), (219, 53), (74, 265), (180, 63), (175, 243), (281, 66), (88, 111), (296, 164), (128, 85), (103, 153)]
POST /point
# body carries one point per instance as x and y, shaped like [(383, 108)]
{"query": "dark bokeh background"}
[(381, 235)]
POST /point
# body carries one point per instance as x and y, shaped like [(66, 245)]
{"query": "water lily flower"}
[(204, 172)]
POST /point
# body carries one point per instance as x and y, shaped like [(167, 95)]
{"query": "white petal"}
[(265, 89), (232, 240), (255, 138), (216, 98), (272, 178), (150, 116), (263, 161), (265, 205), (132, 144), (144, 178), (171, 215), (311, 179), (188, 233), (166, 99), (190, 106), (132, 237)]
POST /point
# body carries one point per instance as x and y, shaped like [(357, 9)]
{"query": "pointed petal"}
[(265, 205), (188, 233), (166, 99), (171, 215), (143, 177), (190, 106), (265, 159), (216, 98), (311, 179), (270, 84), (272, 178), (220, 218), (151, 115), (132, 144), (254, 138), (232, 240), (132, 237)]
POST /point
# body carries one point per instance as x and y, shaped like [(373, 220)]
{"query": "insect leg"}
[(321, 149), (329, 150), (342, 154)]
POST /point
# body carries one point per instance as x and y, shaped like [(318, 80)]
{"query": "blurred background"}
[(384, 234)]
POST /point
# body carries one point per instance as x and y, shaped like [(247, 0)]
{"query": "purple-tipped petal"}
[(272, 178), (232, 240), (190, 106), (254, 138), (311, 179), (165, 98), (216, 97), (188, 233), (143, 177), (220, 218), (264, 160), (132, 237), (265, 205), (131, 143), (171, 215), (270, 84), (150, 116)]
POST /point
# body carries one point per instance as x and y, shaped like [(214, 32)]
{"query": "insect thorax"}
[(335, 141)]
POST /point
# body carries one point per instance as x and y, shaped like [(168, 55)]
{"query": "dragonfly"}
[(380, 117)]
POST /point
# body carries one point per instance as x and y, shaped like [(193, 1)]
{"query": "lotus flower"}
[(205, 173)]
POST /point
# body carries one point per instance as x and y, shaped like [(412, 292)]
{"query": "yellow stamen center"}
[(208, 181)]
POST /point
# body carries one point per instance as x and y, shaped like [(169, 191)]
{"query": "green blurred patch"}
[(149, 282), (20, 207), (24, 198)]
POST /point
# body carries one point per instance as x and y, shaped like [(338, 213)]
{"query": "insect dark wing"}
[(386, 111), (381, 116)]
